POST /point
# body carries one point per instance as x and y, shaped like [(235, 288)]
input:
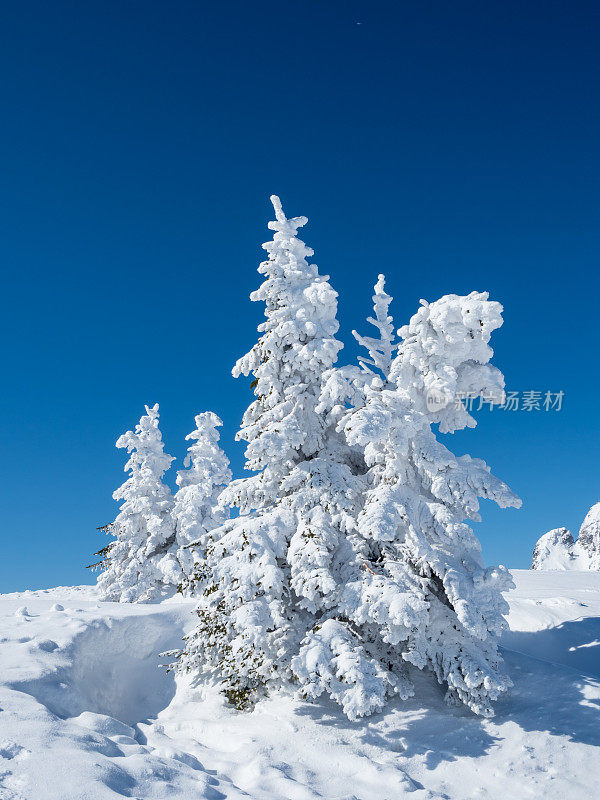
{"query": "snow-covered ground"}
[(87, 713)]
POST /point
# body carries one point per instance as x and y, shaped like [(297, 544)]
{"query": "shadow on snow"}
[(556, 691)]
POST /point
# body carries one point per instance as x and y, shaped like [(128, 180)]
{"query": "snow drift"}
[(87, 714)]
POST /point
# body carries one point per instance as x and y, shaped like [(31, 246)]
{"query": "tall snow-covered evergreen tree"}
[(196, 509), (423, 596), (276, 568), (144, 528)]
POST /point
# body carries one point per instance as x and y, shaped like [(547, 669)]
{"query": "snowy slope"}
[(86, 713)]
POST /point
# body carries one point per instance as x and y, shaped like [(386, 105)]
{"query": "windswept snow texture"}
[(558, 550), (87, 713)]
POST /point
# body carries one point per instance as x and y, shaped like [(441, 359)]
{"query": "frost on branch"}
[(144, 529), (332, 659)]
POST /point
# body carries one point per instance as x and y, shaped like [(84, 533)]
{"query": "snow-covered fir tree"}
[(422, 595), (196, 509), (276, 569), (144, 528)]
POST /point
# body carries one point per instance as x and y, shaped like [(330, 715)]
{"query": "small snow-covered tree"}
[(144, 528), (196, 509), (423, 596)]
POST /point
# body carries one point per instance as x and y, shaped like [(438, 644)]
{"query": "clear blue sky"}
[(453, 146)]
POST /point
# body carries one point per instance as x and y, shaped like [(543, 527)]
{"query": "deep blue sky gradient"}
[(453, 146)]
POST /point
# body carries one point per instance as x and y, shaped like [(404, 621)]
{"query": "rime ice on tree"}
[(423, 596), (277, 568), (351, 562), (380, 349), (144, 528)]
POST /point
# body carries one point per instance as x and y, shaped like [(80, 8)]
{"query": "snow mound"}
[(111, 668), (70, 704), (554, 550), (120, 727), (557, 550)]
